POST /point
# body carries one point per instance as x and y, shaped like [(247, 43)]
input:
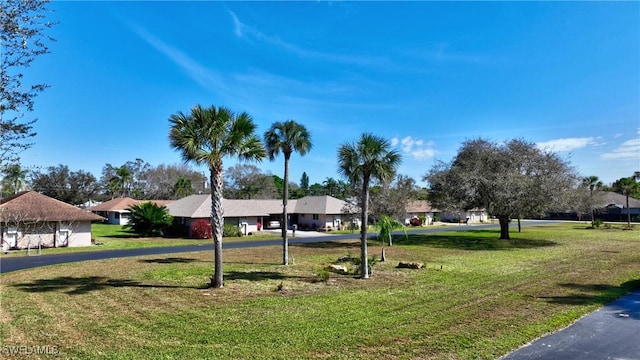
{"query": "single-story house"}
[(116, 211), (613, 207), (310, 212), (472, 216), (30, 219), (610, 206), (420, 208)]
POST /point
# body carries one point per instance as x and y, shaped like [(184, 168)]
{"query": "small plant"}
[(324, 274), (596, 223), (415, 221), (370, 262), (281, 287), (229, 230)]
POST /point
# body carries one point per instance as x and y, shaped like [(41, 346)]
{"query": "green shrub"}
[(229, 230), (201, 229), (324, 274), (149, 219)]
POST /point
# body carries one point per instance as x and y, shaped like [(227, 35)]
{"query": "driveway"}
[(612, 332)]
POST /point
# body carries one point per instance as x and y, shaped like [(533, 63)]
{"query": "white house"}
[(30, 220)]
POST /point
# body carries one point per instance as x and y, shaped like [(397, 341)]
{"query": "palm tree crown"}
[(206, 136), (286, 137), (369, 158)]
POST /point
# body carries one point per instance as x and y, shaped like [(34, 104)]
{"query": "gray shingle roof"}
[(199, 206), (605, 198)]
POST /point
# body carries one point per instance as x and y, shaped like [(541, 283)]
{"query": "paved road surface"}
[(612, 332)]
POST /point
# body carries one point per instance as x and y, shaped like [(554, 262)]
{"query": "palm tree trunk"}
[(364, 268), (285, 223), (628, 212), (217, 221)]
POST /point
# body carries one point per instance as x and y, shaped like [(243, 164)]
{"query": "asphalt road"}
[(9, 264), (612, 332)]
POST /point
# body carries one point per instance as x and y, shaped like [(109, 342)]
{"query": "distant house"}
[(116, 211), (613, 207), (30, 219), (473, 216), (610, 206), (309, 212), (420, 208)]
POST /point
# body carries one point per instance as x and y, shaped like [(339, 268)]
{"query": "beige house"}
[(32, 220), (116, 211), (311, 212), (420, 208)]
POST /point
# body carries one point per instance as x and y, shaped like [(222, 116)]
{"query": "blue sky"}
[(425, 75)]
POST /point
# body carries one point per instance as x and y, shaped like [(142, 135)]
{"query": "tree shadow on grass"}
[(258, 275), (170, 260), (470, 240), (82, 285), (327, 245), (599, 294)]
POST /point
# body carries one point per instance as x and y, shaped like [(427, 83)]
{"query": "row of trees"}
[(207, 135), (510, 180), (141, 180), (135, 178)]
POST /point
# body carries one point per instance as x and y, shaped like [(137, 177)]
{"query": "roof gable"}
[(117, 204), (123, 204), (199, 206), (33, 206), (319, 205)]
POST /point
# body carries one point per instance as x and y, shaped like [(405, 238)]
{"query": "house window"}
[(301, 215), (316, 217)]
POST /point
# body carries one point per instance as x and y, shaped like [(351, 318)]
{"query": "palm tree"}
[(182, 187), (593, 183), (205, 137), (360, 162), (386, 225), (629, 187), (286, 137), (124, 178), (331, 186), (14, 178)]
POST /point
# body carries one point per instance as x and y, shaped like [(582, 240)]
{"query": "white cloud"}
[(238, 26), (194, 70), (245, 31), (629, 149), (417, 148), (567, 144)]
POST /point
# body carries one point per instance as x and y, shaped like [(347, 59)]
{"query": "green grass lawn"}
[(477, 298), (112, 237)]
